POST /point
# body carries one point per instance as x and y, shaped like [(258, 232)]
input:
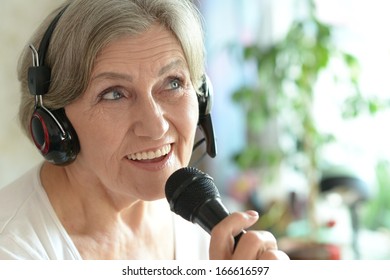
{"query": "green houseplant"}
[(279, 106)]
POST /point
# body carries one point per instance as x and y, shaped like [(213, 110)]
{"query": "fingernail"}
[(252, 214)]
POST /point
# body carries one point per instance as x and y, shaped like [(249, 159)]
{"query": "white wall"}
[(18, 19)]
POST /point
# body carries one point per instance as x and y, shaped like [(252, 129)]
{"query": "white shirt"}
[(30, 228)]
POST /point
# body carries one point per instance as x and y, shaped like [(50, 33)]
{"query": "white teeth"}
[(150, 154)]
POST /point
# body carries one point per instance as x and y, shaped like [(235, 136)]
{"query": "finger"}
[(253, 244), (222, 235), (273, 255)]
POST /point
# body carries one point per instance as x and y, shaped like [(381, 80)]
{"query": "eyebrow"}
[(114, 75), (174, 64)]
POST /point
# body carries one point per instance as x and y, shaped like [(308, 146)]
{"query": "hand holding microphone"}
[(193, 195)]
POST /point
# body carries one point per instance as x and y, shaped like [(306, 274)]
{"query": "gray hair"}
[(87, 26)]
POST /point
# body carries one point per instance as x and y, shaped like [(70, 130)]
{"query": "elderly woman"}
[(110, 98)]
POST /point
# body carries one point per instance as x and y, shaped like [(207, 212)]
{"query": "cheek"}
[(186, 122), (97, 135)]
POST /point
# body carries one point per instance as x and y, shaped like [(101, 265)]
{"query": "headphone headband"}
[(44, 45), (39, 75)]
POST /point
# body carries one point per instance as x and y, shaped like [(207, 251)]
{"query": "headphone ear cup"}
[(205, 123), (54, 136), (205, 98)]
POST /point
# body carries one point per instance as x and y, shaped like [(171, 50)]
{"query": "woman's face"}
[(137, 119)]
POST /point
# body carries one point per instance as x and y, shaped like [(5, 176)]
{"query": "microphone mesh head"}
[(188, 188)]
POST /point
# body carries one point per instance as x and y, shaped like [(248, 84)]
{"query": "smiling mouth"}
[(150, 155)]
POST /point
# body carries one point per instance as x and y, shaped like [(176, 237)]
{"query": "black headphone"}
[(205, 100), (51, 130)]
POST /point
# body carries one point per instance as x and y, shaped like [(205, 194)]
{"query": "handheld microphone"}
[(193, 195)]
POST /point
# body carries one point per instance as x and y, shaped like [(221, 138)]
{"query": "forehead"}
[(152, 47)]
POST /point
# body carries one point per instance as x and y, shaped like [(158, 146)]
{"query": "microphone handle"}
[(211, 213)]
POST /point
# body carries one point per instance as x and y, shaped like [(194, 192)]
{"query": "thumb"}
[(222, 236)]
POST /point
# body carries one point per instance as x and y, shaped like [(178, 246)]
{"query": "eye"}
[(111, 94), (175, 83)]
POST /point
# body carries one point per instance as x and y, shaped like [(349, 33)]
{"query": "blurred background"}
[(301, 107)]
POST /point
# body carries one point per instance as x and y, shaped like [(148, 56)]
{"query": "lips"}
[(150, 155)]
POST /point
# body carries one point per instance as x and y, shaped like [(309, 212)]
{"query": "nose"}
[(150, 120)]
